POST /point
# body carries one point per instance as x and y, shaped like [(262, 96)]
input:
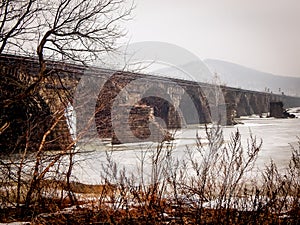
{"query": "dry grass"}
[(209, 186)]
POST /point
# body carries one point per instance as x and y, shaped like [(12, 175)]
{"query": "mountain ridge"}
[(235, 75)]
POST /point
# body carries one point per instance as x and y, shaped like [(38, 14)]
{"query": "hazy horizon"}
[(261, 35)]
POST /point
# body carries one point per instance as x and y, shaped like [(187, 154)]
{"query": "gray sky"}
[(260, 34)]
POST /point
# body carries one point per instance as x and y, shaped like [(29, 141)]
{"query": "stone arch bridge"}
[(123, 99)]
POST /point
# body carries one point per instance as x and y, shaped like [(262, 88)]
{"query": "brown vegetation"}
[(210, 186)]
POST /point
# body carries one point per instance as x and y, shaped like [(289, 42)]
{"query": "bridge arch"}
[(163, 106), (243, 106), (106, 97), (194, 106), (26, 120)]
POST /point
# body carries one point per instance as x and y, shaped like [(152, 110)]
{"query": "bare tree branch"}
[(16, 18)]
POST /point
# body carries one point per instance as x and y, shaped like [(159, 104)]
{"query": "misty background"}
[(251, 45)]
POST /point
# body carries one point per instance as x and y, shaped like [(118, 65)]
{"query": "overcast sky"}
[(260, 34)]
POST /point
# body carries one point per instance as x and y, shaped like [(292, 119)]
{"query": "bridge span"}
[(134, 104)]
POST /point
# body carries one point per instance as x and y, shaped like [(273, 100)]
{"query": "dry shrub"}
[(210, 185)]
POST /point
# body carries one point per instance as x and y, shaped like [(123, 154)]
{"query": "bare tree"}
[(64, 30), (80, 30), (70, 29), (67, 31), (17, 24)]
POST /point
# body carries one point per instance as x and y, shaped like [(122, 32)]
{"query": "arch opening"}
[(163, 111), (194, 108)]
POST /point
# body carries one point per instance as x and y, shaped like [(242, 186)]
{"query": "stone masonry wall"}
[(166, 102)]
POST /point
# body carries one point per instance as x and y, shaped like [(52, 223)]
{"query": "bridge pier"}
[(175, 103)]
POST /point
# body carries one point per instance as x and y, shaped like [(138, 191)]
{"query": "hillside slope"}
[(235, 75)]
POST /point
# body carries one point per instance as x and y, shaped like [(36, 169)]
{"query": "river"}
[(277, 136)]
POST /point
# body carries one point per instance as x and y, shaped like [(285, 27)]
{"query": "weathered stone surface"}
[(231, 114), (170, 100), (30, 117), (277, 111), (138, 126)]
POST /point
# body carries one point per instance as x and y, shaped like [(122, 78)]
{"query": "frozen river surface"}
[(277, 135)]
